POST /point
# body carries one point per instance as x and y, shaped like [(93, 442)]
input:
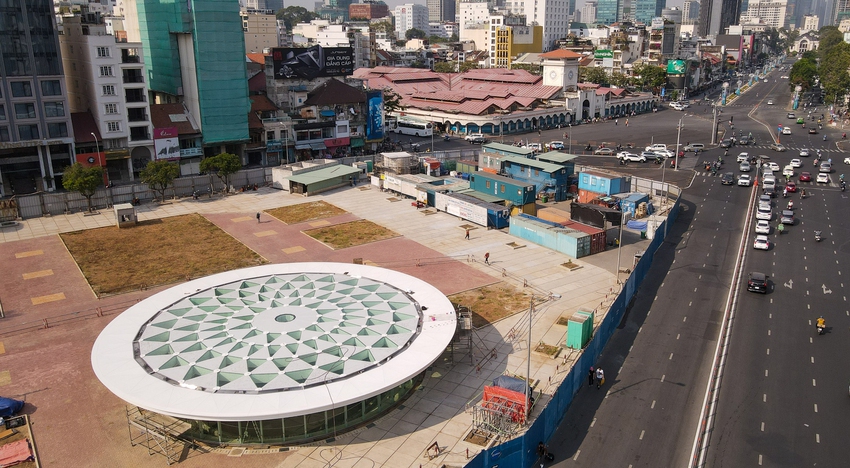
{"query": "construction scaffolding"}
[(158, 433), (496, 419)]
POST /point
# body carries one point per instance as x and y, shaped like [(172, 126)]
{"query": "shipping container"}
[(598, 237), (515, 191), (551, 235), (468, 166), (553, 214), (602, 183), (472, 209)]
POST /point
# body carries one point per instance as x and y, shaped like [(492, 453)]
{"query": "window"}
[(113, 126), (106, 71), (103, 51), (54, 109), (502, 188), (21, 89), (108, 90), (28, 132), (111, 108), (2, 113), (51, 88), (269, 136), (487, 184), (57, 130), (4, 134), (25, 111)]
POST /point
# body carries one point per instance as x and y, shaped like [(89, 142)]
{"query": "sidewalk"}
[(439, 410)]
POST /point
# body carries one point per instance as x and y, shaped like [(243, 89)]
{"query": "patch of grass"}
[(155, 252), (350, 234), (547, 349), (492, 303), (305, 212)]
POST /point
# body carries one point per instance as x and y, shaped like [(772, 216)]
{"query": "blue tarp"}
[(511, 383), (636, 225), (9, 407)]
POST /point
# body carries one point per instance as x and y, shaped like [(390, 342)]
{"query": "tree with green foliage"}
[(772, 39), (293, 15), (620, 80), (223, 166), (649, 75), (533, 68), (444, 67), (829, 37), (833, 71), (159, 175), (803, 73), (83, 180), (593, 75), (392, 102), (414, 33), (466, 66)]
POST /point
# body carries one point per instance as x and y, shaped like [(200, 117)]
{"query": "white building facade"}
[(771, 12), (410, 16), (588, 12)]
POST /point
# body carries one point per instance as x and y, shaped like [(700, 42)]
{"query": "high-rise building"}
[(690, 12), (771, 12), (195, 54), (645, 10), (441, 10), (370, 10), (606, 11), (260, 30), (553, 15), (410, 16), (716, 16), (673, 14), (36, 139), (588, 12), (626, 10), (810, 23)]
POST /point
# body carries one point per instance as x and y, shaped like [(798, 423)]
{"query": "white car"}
[(743, 157), (473, 136), (804, 153), (763, 213), (762, 227), (786, 130), (664, 153), (631, 157), (744, 180), (770, 102), (677, 106), (656, 147), (788, 171), (846, 160), (604, 151), (773, 166), (556, 145), (795, 163), (761, 243), (744, 167), (823, 178), (764, 199), (534, 146)]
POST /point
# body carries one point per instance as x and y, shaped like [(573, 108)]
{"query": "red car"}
[(805, 177), (791, 187)]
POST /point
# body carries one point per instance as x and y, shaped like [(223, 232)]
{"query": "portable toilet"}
[(579, 328), (125, 214)]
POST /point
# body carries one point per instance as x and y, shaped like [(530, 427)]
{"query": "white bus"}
[(413, 127)]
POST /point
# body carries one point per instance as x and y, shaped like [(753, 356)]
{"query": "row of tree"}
[(159, 175), (827, 66)]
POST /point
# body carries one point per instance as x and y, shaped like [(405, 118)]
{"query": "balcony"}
[(134, 78), (139, 134), (135, 95), (137, 115)]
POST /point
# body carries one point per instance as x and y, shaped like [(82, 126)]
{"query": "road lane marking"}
[(671, 357), (764, 398), (813, 359), (593, 423), (684, 319), (768, 351), (816, 407), (817, 438), (762, 426), (760, 460), (641, 435), (576, 455), (641, 328), (690, 303), (814, 383), (652, 406), (768, 333), (678, 335), (662, 377)]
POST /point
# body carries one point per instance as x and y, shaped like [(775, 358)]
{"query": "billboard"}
[(165, 143), (676, 67), (312, 62), (603, 54), (375, 115)]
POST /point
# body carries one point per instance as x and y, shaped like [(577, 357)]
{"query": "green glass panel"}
[(162, 337), (337, 367), (166, 324), (365, 356), (310, 358), (161, 351), (196, 371), (295, 334), (299, 376), (270, 337), (395, 330), (261, 380), (353, 342), (367, 332), (384, 343), (398, 317), (228, 361), (194, 347), (224, 378), (176, 361), (209, 355), (281, 363), (255, 363), (179, 312), (223, 291), (212, 308), (198, 300), (192, 327), (189, 337)]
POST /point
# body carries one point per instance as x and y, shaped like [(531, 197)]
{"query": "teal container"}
[(579, 329)]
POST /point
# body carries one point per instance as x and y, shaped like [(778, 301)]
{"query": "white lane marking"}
[(764, 398), (576, 455), (816, 407), (685, 318), (641, 435), (826, 290), (817, 438), (662, 377), (678, 335), (789, 284), (690, 303), (593, 423), (814, 383), (652, 406), (765, 372), (762, 426), (768, 333), (671, 357), (760, 460), (813, 359)]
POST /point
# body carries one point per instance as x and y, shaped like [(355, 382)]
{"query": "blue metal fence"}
[(521, 451)]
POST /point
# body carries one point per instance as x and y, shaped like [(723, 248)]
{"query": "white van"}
[(769, 183)]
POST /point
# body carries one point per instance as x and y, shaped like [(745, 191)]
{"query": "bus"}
[(413, 127)]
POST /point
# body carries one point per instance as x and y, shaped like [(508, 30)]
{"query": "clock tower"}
[(560, 68)]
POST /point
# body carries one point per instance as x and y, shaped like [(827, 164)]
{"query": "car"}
[(777, 147), (791, 115), (762, 227), (648, 155), (631, 157), (813, 131), (534, 146), (796, 163), (769, 191), (472, 136), (656, 147), (805, 177), (823, 178), (764, 199), (664, 153), (801, 120), (744, 180), (765, 214), (786, 130), (804, 153), (478, 140), (694, 147), (791, 187), (743, 157), (727, 179), (846, 160), (787, 217), (556, 145), (757, 282), (773, 166), (788, 171), (825, 167), (746, 140), (770, 102), (727, 143), (744, 167), (604, 151), (761, 243)]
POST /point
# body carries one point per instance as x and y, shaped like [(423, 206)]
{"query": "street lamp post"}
[(623, 217), (678, 142), (570, 136), (100, 160)]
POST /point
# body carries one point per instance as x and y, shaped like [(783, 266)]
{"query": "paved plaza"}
[(77, 421)]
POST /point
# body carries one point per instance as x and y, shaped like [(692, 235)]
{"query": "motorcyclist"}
[(790, 204), (821, 324)]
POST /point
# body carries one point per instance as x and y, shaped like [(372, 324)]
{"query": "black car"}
[(727, 179), (770, 192), (727, 143), (757, 282), (813, 131)]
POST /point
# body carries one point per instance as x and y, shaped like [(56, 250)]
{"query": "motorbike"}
[(446, 138), (790, 204), (818, 236), (588, 148), (843, 186), (824, 138), (821, 329)]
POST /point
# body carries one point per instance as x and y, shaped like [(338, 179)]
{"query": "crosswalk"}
[(833, 179), (790, 149)]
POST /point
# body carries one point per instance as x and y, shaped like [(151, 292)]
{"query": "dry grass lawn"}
[(492, 303), (155, 252), (350, 234), (305, 212)]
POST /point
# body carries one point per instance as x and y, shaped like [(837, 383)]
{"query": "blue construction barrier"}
[(522, 451)]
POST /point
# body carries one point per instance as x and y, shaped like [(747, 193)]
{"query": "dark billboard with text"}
[(312, 62)]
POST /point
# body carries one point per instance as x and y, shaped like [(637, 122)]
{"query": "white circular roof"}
[(273, 341)]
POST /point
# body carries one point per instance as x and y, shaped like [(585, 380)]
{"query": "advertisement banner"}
[(312, 62), (375, 115), (603, 53), (165, 143), (676, 67)]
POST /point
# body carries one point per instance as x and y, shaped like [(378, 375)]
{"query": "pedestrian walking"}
[(590, 375), (467, 234), (258, 218), (627, 122), (600, 377), (487, 258), (616, 121)]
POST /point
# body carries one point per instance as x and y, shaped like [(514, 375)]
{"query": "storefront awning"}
[(302, 146), (318, 146)]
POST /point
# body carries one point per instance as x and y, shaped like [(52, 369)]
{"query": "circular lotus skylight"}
[(277, 332)]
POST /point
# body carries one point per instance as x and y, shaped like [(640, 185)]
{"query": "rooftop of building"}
[(173, 115), (84, 125), (334, 92)]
